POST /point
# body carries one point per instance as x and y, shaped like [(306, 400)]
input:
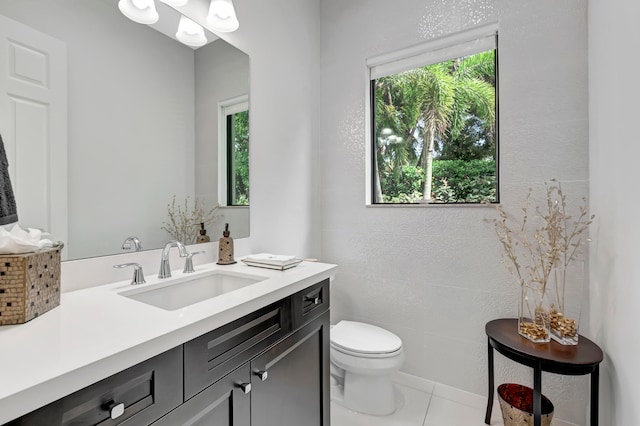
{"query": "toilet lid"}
[(364, 338)]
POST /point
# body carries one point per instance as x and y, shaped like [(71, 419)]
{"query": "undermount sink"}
[(181, 293)]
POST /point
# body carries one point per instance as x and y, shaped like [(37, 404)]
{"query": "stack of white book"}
[(271, 261)]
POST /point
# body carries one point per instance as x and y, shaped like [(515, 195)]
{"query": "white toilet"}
[(363, 359)]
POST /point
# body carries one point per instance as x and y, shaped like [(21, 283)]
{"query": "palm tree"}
[(430, 102), (397, 115)]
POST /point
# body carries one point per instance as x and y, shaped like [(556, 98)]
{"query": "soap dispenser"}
[(203, 237), (225, 255)]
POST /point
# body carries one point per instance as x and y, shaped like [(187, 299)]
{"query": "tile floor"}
[(427, 404)]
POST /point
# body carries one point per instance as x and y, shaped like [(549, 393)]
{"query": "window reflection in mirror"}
[(236, 133)]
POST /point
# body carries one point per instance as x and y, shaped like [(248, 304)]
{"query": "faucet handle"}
[(188, 262), (137, 244), (138, 275)]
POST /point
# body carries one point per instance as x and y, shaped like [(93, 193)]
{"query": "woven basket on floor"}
[(516, 404), (29, 285)]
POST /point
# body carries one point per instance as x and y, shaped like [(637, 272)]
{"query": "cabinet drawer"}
[(310, 302), (140, 395), (210, 357)]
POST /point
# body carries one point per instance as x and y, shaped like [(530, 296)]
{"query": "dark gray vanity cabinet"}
[(268, 368), (281, 356), (225, 403), (290, 381), (136, 396)]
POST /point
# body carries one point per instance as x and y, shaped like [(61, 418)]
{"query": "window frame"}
[(434, 51), (226, 109)]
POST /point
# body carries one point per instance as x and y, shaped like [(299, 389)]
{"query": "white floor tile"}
[(412, 408), (446, 412), (460, 396), (446, 407)]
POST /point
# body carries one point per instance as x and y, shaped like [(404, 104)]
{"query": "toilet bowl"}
[(363, 359)]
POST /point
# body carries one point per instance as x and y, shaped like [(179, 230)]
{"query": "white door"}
[(33, 124)]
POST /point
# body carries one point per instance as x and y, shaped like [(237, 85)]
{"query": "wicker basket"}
[(516, 404), (29, 285)]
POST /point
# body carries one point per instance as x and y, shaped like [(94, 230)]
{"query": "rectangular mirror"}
[(142, 125)]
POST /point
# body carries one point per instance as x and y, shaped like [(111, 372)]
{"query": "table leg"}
[(487, 417), (537, 395), (595, 389)]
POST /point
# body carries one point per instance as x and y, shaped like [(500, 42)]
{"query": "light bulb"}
[(190, 33), (222, 16), (222, 8), (140, 11)]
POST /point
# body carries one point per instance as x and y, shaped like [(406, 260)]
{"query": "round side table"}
[(552, 357)]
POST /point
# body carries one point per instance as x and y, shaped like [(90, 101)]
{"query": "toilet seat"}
[(364, 340)]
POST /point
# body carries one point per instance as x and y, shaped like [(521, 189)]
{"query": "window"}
[(434, 122), (234, 153)]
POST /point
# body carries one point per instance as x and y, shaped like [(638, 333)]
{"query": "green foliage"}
[(241, 158), (454, 181), (406, 187), (474, 142), (457, 181)]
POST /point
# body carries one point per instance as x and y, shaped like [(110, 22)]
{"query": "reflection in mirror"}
[(142, 125)]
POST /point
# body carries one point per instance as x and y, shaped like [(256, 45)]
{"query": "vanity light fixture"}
[(190, 33), (140, 11), (222, 16), (175, 2)]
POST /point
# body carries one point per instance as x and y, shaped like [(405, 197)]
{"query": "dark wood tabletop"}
[(553, 355)]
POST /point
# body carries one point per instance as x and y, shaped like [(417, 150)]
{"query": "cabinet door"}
[(290, 381), (225, 403)]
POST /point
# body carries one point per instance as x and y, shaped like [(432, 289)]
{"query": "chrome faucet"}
[(165, 267), (188, 262), (138, 275), (137, 244)]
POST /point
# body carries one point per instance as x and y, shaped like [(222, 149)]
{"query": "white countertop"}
[(96, 332)]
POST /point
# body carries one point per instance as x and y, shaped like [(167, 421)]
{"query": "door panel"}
[(295, 390), (221, 404), (33, 124)]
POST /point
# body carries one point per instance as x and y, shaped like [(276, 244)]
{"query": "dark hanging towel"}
[(8, 211)]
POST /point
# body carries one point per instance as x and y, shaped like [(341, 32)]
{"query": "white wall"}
[(433, 275), (131, 121), (221, 73), (614, 153), (282, 38)]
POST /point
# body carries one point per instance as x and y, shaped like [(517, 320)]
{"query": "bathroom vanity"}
[(256, 355)]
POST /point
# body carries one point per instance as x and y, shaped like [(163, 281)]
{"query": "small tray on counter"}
[(272, 265)]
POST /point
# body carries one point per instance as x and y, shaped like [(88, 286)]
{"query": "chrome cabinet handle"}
[(315, 300), (263, 375), (245, 387), (115, 410)]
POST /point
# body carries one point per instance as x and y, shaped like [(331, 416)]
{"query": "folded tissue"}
[(20, 240)]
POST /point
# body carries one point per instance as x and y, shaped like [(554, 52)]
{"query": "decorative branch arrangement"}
[(184, 222), (540, 248)]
